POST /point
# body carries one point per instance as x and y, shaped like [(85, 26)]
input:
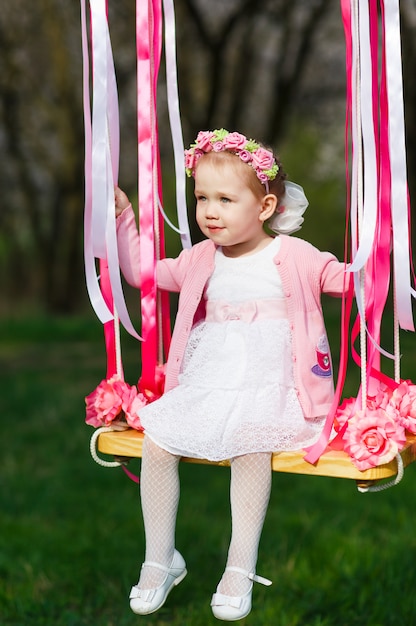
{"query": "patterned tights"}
[(249, 494)]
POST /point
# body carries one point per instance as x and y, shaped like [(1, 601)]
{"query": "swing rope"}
[(93, 447), (388, 484)]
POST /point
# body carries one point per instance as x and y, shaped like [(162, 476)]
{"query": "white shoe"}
[(145, 601), (232, 608)]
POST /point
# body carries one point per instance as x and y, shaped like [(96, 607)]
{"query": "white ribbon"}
[(370, 203), (175, 122), (102, 158), (93, 288), (399, 200)]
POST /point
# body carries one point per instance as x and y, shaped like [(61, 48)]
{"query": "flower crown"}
[(261, 160)]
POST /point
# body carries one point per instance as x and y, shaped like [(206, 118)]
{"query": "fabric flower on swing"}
[(403, 401), (113, 401), (376, 435), (373, 437)]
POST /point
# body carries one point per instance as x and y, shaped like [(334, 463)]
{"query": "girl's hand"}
[(121, 201)]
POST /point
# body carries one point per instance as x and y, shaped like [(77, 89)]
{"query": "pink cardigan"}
[(305, 273)]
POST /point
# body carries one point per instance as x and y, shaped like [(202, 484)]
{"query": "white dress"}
[(236, 391)]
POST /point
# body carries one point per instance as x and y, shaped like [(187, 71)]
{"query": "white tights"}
[(249, 494)]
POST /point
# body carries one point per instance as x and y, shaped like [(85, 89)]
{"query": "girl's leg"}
[(159, 489), (250, 492)]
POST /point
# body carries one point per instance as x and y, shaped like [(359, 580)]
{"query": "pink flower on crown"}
[(191, 157), (218, 146), (372, 438), (263, 178), (263, 159), (245, 156), (234, 141), (203, 141)]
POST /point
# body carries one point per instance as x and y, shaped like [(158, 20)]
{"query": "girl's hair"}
[(275, 186)]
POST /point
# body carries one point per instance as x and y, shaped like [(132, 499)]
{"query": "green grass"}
[(71, 535)]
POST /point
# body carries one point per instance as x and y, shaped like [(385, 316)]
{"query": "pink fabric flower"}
[(110, 399), (131, 407), (403, 399), (382, 397), (373, 438), (218, 146), (234, 141), (344, 413), (263, 178), (263, 159), (203, 141), (191, 158), (105, 402), (245, 156)]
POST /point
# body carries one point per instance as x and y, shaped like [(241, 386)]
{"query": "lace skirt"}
[(235, 395)]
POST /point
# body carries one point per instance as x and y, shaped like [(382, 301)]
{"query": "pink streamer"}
[(148, 39), (378, 126)]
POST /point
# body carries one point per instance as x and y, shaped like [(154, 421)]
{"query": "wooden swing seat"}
[(127, 444)]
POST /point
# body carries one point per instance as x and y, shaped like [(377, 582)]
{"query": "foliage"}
[(266, 69), (71, 534), (41, 121)]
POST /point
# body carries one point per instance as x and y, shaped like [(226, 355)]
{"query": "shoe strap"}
[(156, 565), (251, 575)]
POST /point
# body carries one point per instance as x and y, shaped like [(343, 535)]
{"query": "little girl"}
[(249, 370)]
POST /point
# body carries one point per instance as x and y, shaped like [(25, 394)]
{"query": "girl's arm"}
[(334, 278), (169, 272)]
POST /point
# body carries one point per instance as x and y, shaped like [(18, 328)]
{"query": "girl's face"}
[(227, 210)]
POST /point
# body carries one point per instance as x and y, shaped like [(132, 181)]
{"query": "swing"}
[(375, 432)]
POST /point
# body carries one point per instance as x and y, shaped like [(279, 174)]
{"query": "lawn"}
[(71, 534)]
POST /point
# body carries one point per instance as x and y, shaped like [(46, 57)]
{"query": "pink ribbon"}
[(145, 131), (154, 307), (101, 173), (379, 211)]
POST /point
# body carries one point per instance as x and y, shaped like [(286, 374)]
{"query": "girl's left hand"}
[(121, 201)]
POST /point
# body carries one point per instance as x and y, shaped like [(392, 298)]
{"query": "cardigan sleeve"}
[(128, 243), (334, 277), (170, 272)]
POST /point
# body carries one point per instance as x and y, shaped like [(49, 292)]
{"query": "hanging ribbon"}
[(380, 212), (97, 300), (101, 171), (399, 197), (148, 24), (175, 122), (101, 174), (386, 137)]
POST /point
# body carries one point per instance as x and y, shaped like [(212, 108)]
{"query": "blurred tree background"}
[(273, 70)]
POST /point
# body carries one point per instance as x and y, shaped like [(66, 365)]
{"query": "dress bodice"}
[(252, 277)]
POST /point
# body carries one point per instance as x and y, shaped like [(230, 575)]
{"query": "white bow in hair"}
[(288, 218)]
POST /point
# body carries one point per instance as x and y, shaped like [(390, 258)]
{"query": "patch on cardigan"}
[(323, 365)]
